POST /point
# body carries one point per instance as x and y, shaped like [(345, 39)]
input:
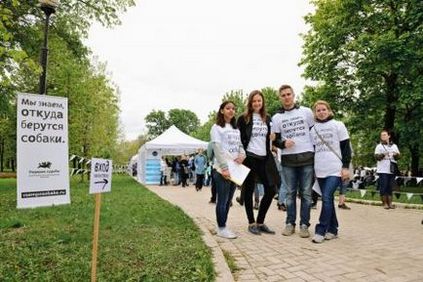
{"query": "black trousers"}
[(199, 182), (258, 172)]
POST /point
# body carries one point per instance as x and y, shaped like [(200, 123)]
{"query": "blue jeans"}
[(327, 220), (224, 191), (298, 180), (282, 191)]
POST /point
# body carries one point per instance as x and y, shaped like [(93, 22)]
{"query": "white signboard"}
[(42, 151), (101, 176)]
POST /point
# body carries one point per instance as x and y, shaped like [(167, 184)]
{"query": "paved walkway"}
[(373, 245)]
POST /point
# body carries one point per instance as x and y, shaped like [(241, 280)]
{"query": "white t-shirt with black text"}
[(228, 138), (384, 165), (326, 163), (295, 124), (257, 144)]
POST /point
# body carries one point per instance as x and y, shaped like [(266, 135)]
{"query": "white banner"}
[(42, 151)]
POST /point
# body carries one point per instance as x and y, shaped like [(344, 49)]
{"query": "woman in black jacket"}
[(255, 129)]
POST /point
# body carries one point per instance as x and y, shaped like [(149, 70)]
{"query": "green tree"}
[(92, 98), (272, 100), (359, 52), (185, 120), (238, 97), (203, 131), (127, 149), (156, 123)]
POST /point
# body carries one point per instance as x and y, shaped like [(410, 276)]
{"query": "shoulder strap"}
[(327, 145), (386, 151)]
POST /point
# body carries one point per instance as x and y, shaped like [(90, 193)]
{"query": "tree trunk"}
[(391, 101), (12, 165), (415, 157)]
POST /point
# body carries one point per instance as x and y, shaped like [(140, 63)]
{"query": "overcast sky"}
[(188, 53)]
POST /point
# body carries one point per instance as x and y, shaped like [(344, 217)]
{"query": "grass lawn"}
[(142, 238), (401, 197)]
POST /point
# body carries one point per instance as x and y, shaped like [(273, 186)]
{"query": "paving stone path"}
[(373, 245)]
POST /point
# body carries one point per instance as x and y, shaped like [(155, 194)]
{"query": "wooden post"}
[(95, 237)]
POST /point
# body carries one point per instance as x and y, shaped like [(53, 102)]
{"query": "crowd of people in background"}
[(185, 169)]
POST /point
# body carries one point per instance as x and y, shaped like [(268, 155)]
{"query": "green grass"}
[(373, 195), (142, 238)]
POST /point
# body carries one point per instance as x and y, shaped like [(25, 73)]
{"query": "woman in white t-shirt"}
[(255, 129), (385, 153), (331, 165), (226, 144)]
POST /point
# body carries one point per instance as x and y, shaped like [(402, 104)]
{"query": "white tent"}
[(171, 142)]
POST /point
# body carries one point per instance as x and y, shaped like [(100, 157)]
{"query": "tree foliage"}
[(366, 57), (92, 97), (158, 121)]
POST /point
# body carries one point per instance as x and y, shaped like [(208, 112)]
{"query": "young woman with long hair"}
[(255, 127), (226, 144)]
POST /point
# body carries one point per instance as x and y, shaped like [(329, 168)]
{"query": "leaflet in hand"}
[(238, 172)]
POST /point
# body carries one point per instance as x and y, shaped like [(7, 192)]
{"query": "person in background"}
[(210, 156), (282, 189), (385, 153), (226, 145), (163, 168), (176, 170), (291, 125), (256, 136), (184, 171), (207, 174), (341, 196), (258, 192), (200, 163), (331, 165), (314, 199)]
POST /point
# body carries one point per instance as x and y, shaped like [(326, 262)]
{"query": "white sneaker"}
[(330, 236), (226, 233), (318, 238)]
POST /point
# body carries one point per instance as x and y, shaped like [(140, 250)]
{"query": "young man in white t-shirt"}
[(292, 128)]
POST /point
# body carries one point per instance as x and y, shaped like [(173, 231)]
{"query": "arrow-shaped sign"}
[(105, 181)]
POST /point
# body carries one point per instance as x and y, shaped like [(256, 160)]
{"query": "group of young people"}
[(313, 147)]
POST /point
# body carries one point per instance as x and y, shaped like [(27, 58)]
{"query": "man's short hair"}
[(285, 86)]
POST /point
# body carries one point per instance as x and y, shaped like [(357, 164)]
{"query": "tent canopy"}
[(174, 142), (171, 142)]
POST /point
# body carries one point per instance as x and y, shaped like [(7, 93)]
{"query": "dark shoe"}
[(252, 228), (392, 206), (212, 201), (344, 207), (313, 206), (256, 206), (238, 199), (263, 228)]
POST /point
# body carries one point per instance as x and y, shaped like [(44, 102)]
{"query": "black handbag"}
[(273, 177), (394, 168)]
